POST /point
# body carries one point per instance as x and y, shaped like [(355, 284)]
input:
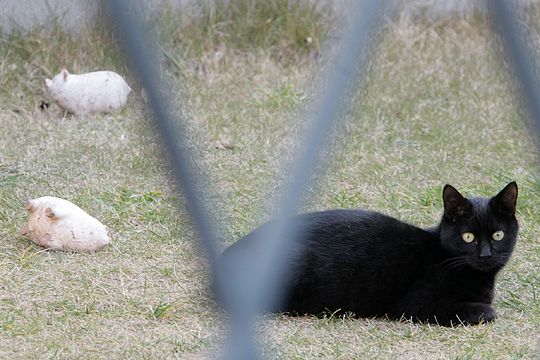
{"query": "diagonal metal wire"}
[(142, 54), (249, 291), (506, 23)]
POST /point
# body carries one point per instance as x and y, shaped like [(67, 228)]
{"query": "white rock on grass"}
[(90, 93), (61, 225)]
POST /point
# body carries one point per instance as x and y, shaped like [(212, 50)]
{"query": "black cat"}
[(372, 265)]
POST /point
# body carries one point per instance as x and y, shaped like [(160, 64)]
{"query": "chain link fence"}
[(244, 292)]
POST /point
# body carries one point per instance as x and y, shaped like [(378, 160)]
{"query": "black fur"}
[(373, 265)]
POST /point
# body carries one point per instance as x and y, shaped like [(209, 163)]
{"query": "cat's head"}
[(481, 232)]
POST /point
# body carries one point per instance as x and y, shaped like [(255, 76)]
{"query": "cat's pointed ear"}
[(455, 205), (505, 201), (65, 73)]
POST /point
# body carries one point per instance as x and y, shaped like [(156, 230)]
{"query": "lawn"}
[(438, 108)]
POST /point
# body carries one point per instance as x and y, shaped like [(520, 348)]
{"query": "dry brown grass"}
[(437, 109)]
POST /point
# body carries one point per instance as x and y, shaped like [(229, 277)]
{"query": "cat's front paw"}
[(474, 313)]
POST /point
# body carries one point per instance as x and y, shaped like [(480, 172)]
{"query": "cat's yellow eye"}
[(468, 237), (498, 235)]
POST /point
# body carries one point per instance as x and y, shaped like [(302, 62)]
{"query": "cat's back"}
[(348, 234), (361, 241)]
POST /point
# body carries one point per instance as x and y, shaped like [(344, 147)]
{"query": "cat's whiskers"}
[(451, 266), (451, 262)]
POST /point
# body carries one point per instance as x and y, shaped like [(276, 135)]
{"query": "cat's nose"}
[(485, 249)]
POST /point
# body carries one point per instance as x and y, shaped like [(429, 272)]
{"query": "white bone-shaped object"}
[(89, 93), (61, 225)]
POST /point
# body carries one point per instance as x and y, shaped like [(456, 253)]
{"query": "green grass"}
[(284, 29), (437, 109)]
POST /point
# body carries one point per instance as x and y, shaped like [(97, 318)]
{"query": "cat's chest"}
[(461, 283)]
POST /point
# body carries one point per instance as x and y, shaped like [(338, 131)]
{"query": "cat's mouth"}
[(484, 264)]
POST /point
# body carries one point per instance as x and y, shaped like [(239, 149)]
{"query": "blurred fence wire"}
[(506, 23), (247, 291)]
